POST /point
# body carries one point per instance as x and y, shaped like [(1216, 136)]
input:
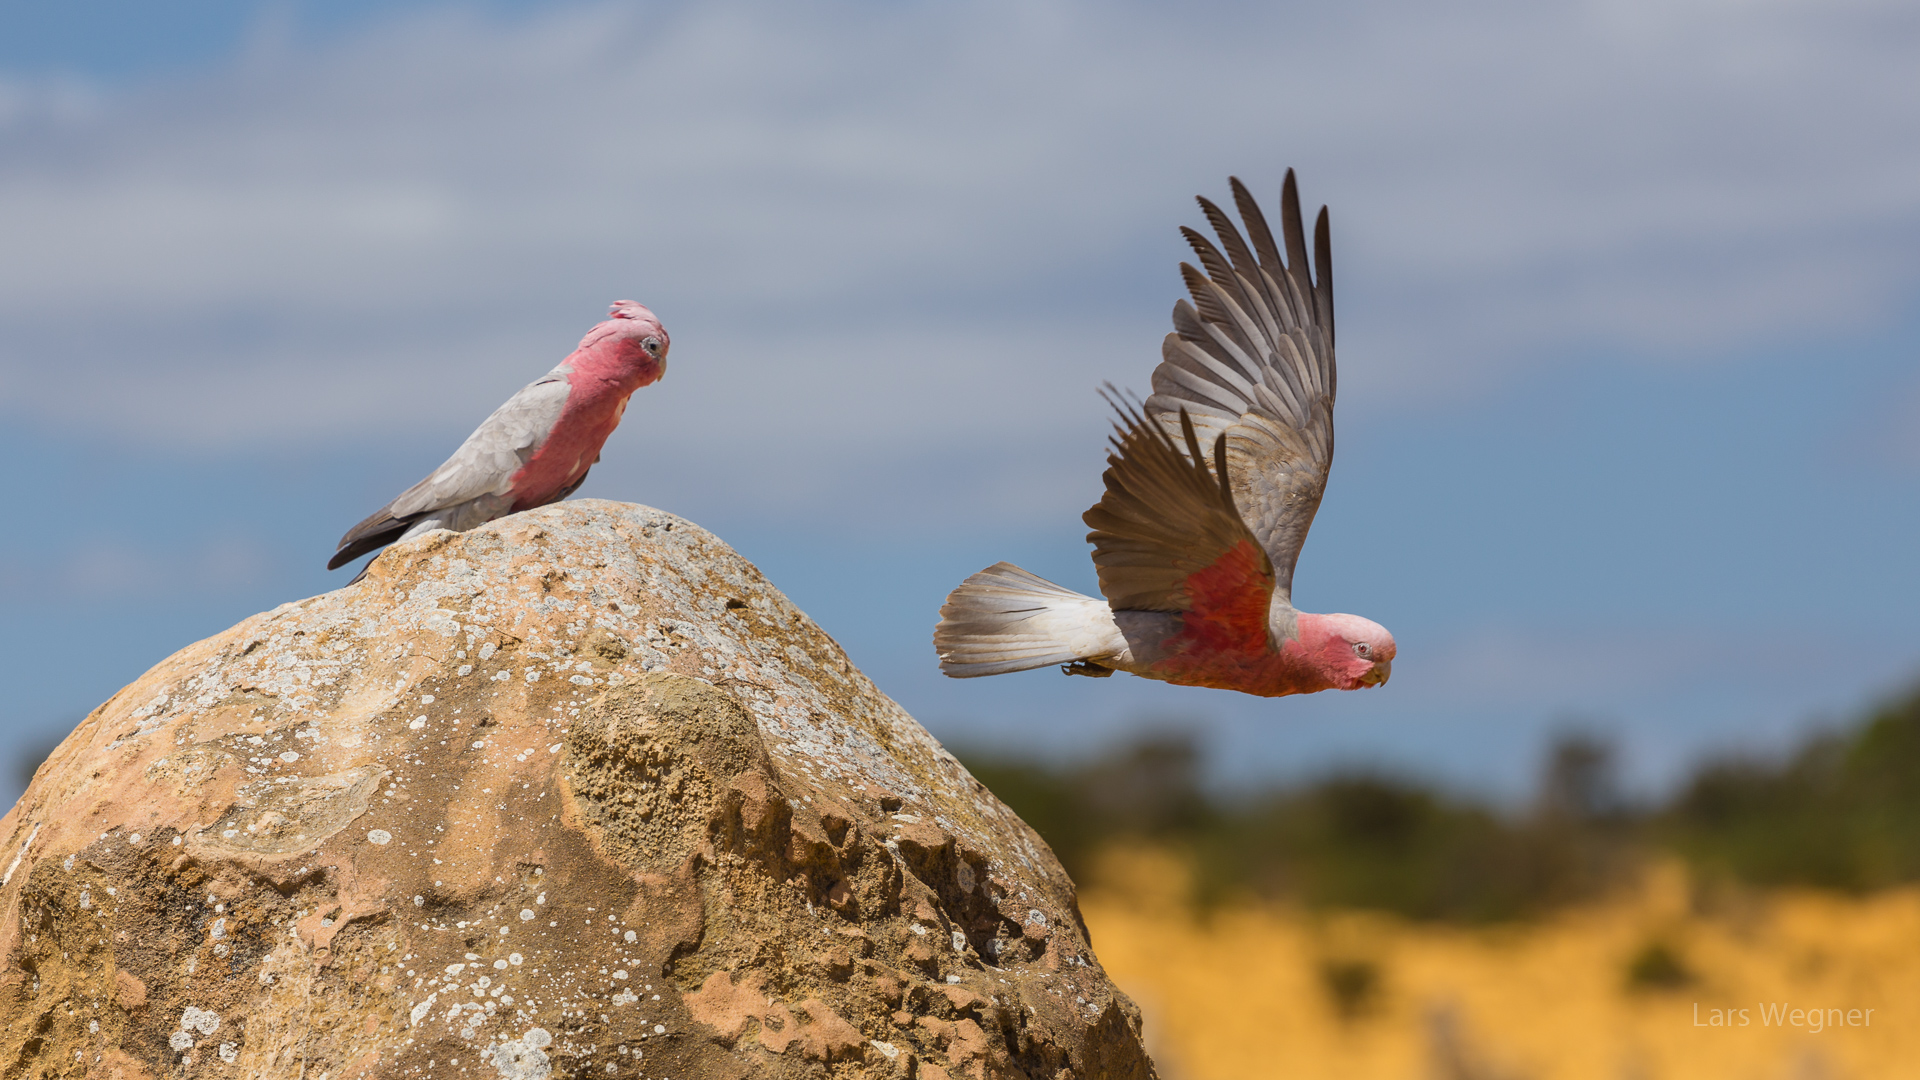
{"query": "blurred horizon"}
[(1629, 311)]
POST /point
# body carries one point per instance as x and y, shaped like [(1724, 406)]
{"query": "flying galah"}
[(536, 448), (1211, 486)]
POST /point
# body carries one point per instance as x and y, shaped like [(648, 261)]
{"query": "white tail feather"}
[(1004, 619)]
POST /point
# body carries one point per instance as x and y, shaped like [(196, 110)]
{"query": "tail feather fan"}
[(1005, 619)]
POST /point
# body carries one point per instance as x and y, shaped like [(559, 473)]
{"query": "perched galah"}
[(536, 448), (1197, 563)]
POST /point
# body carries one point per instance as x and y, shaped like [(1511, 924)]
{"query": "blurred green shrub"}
[(1352, 985), (1843, 811), (1657, 966), (1354, 841)]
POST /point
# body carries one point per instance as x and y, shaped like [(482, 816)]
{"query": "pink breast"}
[(590, 415), (1263, 672)]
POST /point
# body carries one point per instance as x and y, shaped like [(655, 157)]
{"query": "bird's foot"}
[(1085, 667)]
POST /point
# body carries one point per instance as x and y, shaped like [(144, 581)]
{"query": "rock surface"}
[(576, 794)]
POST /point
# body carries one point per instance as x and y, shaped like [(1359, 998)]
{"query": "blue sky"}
[(1629, 430)]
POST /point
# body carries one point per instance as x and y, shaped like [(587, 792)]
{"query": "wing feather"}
[(1296, 239), (1165, 517), (1204, 398), (1226, 370), (1250, 365), (1218, 271), (1257, 230), (1323, 293), (1257, 294)]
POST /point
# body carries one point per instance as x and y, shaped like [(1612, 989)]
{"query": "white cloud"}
[(924, 232)]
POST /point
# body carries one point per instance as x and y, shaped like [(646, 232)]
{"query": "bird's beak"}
[(1378, 674)]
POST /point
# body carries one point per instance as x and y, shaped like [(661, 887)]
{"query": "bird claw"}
[(1083, 667)]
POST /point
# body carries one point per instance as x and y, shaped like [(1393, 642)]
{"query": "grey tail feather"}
[(995, 623)]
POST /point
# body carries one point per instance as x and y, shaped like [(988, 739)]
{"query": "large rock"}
[(575, 794)]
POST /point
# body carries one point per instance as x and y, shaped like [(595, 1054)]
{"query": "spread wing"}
[(1166, 536), (484, 465), (1251, 360)]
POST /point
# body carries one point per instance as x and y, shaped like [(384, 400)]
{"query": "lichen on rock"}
[(578, 793)]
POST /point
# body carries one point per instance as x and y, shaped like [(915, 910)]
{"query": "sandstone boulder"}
[(576, 794)]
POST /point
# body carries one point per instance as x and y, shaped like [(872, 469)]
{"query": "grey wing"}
[(1252, 359), (486, 462), (484, 465)]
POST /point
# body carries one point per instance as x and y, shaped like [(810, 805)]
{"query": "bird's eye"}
[(1363, 649), (652, 345)]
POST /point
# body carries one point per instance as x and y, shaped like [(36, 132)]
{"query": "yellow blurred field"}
[(1245, 992)]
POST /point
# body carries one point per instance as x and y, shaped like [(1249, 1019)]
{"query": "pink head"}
[(1349, 652), (630, 346)]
